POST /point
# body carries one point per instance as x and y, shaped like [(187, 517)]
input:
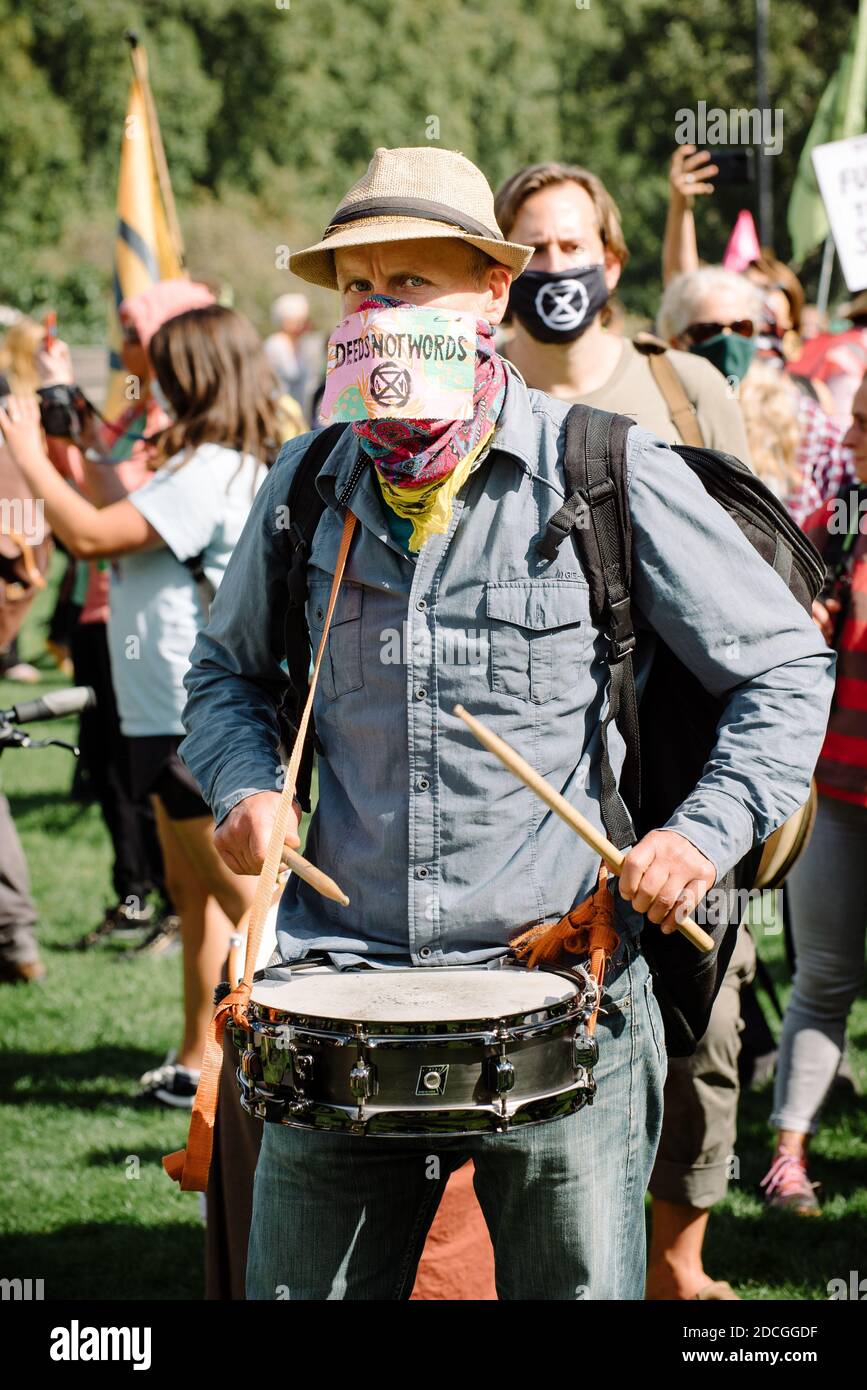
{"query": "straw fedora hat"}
[(407, 194)]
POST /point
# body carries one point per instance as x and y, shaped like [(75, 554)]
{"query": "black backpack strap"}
[(304, 507), (596, 511)]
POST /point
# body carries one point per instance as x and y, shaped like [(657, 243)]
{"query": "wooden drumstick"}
[(315, 877), (612, 856)]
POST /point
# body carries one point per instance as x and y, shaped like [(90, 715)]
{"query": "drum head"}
[(414, 995)]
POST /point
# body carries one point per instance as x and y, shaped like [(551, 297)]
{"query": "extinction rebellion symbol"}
[(557, 306), (390, 384)]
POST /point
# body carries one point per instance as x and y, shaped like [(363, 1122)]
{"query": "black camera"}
[(63, 410)]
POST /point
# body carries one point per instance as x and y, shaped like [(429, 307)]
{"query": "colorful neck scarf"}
[(412, 457)]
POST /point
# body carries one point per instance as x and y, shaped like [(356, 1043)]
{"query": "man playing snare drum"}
[(443, 854)]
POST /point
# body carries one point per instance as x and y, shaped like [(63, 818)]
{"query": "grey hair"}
[(684, 292), (289, 306)]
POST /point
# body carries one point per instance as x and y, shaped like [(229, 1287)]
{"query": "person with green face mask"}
[(715, 314)]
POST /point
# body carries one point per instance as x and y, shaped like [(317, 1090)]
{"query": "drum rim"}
[(346, 1120), (331, 1024)]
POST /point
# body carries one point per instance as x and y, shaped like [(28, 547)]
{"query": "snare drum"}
[(417, 1051)]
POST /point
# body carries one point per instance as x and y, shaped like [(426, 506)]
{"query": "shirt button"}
[(422, 872), (421, 604), (422, 784), (425, 952), (421, 693)]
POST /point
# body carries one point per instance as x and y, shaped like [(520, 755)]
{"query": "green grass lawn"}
[(85, 1204)]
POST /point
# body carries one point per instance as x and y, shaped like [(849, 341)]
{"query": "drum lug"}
[(502, 1075), (250, 1064), (585, 1050), (590, 989), (585, 1080), (362, 1080), (302, 1068)]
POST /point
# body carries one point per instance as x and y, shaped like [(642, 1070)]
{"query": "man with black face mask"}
[(559, 311)]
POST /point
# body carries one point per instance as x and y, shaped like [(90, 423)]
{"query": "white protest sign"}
[(841, 172)]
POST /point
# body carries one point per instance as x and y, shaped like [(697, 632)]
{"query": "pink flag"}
[(743, 244)]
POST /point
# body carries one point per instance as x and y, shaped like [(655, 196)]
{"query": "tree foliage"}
[(270, 108)]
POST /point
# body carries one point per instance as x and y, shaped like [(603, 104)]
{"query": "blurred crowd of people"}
[(147, 506)]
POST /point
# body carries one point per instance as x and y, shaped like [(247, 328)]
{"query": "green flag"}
[(841, 114)]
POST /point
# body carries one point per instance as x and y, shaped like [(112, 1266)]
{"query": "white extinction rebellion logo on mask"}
[(556, 306), (401, 362)]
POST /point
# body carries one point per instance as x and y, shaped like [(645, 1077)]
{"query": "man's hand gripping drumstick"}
[(242, 839), (663, 876)]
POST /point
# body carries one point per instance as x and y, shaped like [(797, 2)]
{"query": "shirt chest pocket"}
[(539, 634), (341, 669)]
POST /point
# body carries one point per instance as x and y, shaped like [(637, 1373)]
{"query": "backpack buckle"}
[(621, 634), (601, 491), (549, 545), (299, 543), (620, 650)]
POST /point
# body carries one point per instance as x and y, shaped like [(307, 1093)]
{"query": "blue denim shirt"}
[(443, 853)]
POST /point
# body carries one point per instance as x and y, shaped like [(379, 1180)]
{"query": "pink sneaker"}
[(788, 1187)]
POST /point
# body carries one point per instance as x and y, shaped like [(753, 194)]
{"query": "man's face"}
[(436, 272), (294, 325), (856, 435), (562, 224)]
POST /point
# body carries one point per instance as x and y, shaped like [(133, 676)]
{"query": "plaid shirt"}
[(824, 466), (841, 771)]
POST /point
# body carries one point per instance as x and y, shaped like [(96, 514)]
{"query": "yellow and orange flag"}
[(148, 243)]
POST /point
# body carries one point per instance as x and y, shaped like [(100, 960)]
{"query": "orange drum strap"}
[(190, 1166), (588, 929)]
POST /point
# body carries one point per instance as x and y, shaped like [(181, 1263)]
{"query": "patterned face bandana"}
[(421, 464), (410, 453)]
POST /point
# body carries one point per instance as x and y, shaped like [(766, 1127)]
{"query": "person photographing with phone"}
[(106, 460), (172, 538)]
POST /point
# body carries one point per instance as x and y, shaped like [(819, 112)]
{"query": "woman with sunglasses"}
[(715, 314), (796, 447)]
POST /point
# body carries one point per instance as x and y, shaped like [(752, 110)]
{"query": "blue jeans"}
[(338, 1216)]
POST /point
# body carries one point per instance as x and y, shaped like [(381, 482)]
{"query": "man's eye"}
[(358, 286), (415, 281)]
